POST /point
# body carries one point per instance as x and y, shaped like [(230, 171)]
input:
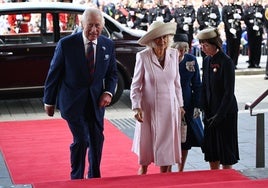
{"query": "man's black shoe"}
[(251, 66), (257, 66), (266, 77)]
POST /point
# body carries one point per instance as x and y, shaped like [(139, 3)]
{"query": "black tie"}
[(90, 60)]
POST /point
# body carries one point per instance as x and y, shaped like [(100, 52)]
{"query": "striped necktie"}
[(90, 60)]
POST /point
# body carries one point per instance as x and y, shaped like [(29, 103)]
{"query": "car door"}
[(25, 55)]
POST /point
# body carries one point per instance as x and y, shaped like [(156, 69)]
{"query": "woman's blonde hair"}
[(152, 44)]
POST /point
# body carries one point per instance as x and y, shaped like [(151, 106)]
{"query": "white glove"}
[(196, 112), (230, 20), (233, 31), (19, 17), (132, 12), (185, 27), (141, 16), (213, 15), (237, 16), (206, 23), (159, 18), (256, 28), (187, 20), (17, 30), (258, 15), (130, 24)]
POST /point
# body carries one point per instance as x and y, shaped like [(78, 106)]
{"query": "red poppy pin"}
[(215, 67)]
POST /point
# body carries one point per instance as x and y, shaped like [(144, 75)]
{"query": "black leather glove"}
[(215, 120)]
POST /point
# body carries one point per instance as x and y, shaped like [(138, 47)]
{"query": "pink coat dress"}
[(157, 91)]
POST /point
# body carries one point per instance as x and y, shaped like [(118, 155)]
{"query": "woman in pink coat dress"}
[(156, 98)]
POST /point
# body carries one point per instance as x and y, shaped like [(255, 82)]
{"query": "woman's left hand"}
[(182, 111), (138, 114)]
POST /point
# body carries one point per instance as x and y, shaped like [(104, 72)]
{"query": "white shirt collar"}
[(86, 41)]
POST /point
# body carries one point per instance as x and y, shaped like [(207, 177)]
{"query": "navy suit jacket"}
[(67, 85)]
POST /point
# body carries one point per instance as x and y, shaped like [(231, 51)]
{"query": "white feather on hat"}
[(158, 29)]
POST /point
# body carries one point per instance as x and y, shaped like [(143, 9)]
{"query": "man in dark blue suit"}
[(80, 99)]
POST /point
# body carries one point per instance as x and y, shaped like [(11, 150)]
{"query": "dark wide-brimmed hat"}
[(158, 29), (181, 37), (211, 35)]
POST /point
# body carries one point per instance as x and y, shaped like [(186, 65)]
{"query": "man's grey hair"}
[(91, 10)]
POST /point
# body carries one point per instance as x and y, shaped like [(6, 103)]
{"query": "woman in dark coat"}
[(191, 91), (219, 103)]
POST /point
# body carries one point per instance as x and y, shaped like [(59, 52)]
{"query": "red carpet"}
[(194, 179), (38, 151)]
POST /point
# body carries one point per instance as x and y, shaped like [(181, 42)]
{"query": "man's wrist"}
[(109, 93), (49, 105)]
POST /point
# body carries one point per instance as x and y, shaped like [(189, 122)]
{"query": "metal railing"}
[(260, 131)]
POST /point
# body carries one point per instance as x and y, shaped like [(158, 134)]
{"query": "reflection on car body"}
[(25, 56)]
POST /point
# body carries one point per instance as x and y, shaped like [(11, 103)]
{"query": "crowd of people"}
[(242, 24), (233, 18)]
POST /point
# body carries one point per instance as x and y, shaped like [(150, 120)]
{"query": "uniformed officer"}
[(159, 12), (254, 20), (184, 16), (110, 9), (232, 14), (138, 16), (122, 11), (18, 23), (208, 15)]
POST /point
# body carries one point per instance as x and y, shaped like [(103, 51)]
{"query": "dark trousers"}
[(87, 138), (266, 69), (254, 43), (233, 46)]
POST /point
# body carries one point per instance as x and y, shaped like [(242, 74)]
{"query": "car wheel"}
[(119, 88)]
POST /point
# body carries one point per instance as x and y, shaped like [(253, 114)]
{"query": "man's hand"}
[(50, 109), (105, 100)]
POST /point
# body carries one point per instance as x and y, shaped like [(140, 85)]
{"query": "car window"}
[(38, 28), (18, 29), (68, 22)]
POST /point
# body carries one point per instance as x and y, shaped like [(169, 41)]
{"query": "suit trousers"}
[(255, 43), (233, 46), (87, 135)]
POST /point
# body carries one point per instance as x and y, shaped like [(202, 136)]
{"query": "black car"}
[(29, 33)]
